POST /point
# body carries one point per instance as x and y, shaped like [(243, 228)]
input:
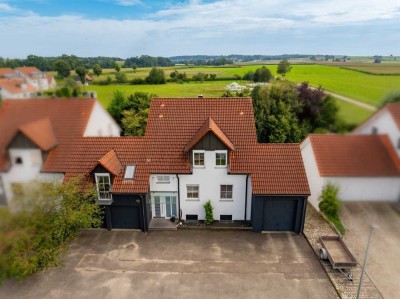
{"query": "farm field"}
[(191, 89), (352, 114), (351, 83)]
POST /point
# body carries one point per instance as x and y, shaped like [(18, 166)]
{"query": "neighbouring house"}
[(364, 167), (88, 79), (194, 150), (24, 82), (234, 86), (36, 77), (16, 88), (384, 121), (35, 133)]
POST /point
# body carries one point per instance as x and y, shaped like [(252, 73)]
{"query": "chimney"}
[(200, 96)]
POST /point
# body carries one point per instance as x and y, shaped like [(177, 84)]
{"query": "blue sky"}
[(126, 28)]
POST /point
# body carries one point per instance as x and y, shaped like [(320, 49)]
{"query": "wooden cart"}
[(339, 255)]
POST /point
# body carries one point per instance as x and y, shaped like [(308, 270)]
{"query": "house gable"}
[(20, 141)]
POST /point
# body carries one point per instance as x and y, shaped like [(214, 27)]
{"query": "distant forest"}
[(48, 63)]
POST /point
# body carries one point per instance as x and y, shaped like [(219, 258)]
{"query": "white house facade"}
[(36, 130), (365, 168), (385, 121)]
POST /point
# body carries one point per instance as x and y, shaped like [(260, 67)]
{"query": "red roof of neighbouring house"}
[(394, 109), (172, 125), (209, 126), (355, 155), (28, 70), (41, 133), (6, 71), (68, 119), (17, 85)]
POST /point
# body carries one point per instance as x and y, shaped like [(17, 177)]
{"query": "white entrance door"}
[(164, 206)]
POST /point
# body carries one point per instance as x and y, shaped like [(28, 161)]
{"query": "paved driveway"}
[(190, 264), (383, 264)]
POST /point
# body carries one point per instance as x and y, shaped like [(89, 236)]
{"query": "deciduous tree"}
[(284, 67), (97, 70)]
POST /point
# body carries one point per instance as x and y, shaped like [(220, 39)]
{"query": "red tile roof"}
[(17, 85), (6, 71), (28, 70), (394, 109), (68, 117), (111, 162), (355, 155), (41, 133), (274, 168), (209, 126)]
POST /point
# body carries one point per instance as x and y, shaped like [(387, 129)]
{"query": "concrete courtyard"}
[(383, 264), (176, 264)]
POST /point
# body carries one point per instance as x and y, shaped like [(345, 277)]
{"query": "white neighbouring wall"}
[(385, 124), (209, 179), (350, 188), (315, 182), (29, 170), (101, 124)]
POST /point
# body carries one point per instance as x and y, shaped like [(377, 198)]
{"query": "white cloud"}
[(6, 7), (128, 2), (236, 26)]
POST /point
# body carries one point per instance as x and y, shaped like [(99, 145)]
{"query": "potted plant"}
[(173, 218)]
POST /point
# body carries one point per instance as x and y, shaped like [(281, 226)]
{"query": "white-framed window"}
[(226, 192), (103, 186), (198, 158), (163, 179), (221, 158), (192, 191)]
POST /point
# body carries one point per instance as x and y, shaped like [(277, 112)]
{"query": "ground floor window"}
[(226, 191), (192, 191)]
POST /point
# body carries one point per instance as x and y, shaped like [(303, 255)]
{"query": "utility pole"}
[(371, 228)]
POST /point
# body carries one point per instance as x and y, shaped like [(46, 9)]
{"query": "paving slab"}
[(183, 263)]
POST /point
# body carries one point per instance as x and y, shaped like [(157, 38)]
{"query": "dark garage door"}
[(279, 215), (125, 217), (274, 213)]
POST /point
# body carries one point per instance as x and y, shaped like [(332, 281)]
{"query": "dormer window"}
[(220, 158), (198, 158), (18, 161), (374, 130), (103, 186)]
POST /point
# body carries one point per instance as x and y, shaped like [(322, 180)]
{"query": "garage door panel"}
[(279, 215), (125, 217)]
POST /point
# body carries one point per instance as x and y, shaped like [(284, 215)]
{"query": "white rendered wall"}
[(314, 180), (367, 189), (27, 171), (385, 124), (209, 180), (101, 123), (156, 186)]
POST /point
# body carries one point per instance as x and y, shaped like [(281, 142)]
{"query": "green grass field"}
[(352, 114), (192, 89), (359, 86)]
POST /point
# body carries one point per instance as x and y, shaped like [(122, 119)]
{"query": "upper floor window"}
[(18, 161), (220, 158), (163, 179), (398, 143), (374, 130), (103, 184), (226, 191), (198, 158)]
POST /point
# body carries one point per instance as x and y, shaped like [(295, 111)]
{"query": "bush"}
[(208, 209), (44, 217), (138, 81), (156, 76), (121, 77), (330, 206)]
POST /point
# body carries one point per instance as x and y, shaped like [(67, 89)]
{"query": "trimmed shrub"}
[(330, 206), (208, 209)]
